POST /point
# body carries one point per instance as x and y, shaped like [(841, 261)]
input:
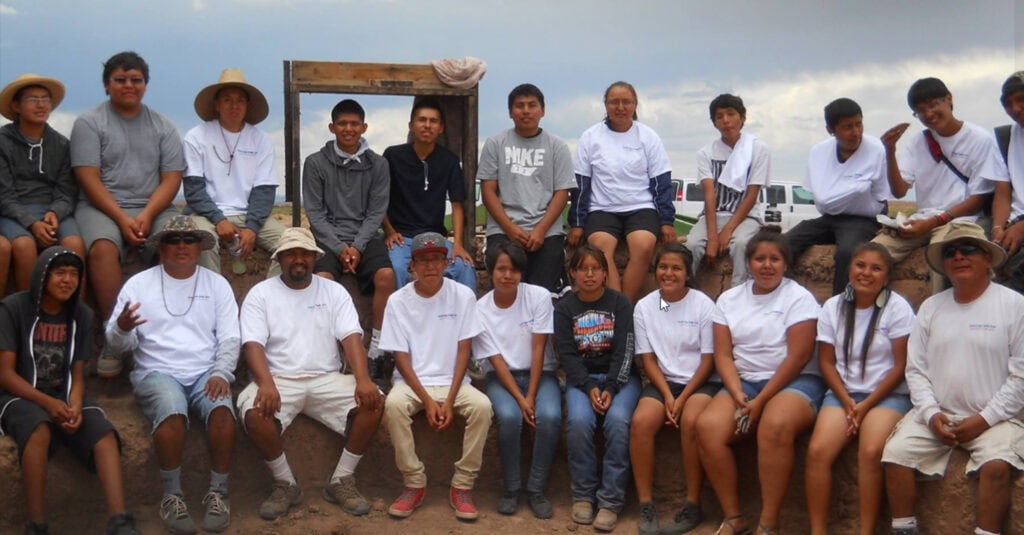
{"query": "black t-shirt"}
[(49, 347), (420, 188)]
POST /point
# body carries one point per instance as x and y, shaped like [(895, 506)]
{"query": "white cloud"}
[(8, 10)]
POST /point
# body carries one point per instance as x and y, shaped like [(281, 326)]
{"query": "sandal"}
[(728, 523), (766, 530)]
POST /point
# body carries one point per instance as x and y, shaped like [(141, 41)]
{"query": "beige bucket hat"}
[(53, 85), (297, 238), (964, 231), (258, 108)]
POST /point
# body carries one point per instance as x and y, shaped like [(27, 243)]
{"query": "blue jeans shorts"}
[(806, 385), (897, 402), (12, 229), (160, 396)]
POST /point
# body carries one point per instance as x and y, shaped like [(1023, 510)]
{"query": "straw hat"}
[(257, 110), (53, 85), (963, 231)]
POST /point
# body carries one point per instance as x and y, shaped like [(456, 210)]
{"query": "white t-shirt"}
[(895, 321), (711, 160), (430, 329), (621, 166), (299, 329), (206, 148), (758, 324), (966, 359), (972, 150), (677, 336), (187, 321), (858, 186), (1015, 157), (509, 331)]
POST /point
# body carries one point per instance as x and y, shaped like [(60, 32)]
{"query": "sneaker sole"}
[(107, 374), (402, 514), (463, 515), (354, 512), (216, 528)]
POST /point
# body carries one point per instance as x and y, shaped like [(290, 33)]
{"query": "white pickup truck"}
[(786, 203)]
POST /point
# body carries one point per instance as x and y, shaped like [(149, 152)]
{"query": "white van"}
[(786, 203)]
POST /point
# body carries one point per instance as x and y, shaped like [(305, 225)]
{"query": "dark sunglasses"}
[(965, 249), (175, 239)]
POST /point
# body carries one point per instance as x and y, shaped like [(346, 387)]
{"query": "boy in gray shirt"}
[(128, 161), (525, 176)]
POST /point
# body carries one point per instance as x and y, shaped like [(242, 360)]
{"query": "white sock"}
[(346, 465), (904, 522), (373, 353), (979, 531), (280, 470)]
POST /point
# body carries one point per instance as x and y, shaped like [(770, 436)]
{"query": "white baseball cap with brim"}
[(53, 85), (257, 110), (297, 238), (963, 231)]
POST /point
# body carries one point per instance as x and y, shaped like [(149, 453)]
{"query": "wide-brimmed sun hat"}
[(183, 224), (297, 238), (963, 231), (257, 110), (53, 85)]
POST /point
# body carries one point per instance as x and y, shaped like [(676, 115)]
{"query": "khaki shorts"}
[(912, 444), (326, 398)]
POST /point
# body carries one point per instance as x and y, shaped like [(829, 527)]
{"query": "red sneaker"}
[(405, 504), (462, 501)]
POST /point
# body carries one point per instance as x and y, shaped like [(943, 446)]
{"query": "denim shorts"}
[(160, 396), (894, 401), (651, 391), (806, 385), (12, 229)]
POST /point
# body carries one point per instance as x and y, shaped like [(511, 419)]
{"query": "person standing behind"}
[(345, 187), (37, 195), (625, 190), (846, 176), (128, 161), (965, 370), (180, 322), (951, 166), (230, 179), (1008, 204), (525, 176), (423, 173), (732, 171), (429, 325)]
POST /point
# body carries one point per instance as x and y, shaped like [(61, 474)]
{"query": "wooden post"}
[(292, 126)]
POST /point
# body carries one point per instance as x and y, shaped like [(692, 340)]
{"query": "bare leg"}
[(647, 421), (265, 434), (220, 436), (901, 489), (169, 439), (606, 243), (715, 436), (785, 417), (5, 264), (364, 425), (383, 286), (108, 468), (23, 249), (874, 431), (641, 250), (105, 275), (33, 468), (827, 442), (993, 495), (691, 454)]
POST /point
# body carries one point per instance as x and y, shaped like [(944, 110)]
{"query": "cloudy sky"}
[(787, 59)]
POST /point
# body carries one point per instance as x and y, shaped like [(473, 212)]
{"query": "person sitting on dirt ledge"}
[(45, 341), (965, 370), (294, 360), (430, 325), (180, 322)]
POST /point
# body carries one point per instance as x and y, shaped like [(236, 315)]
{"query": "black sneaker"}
[(541, 506), (904, 531), (648, 524), (509, 502), (687, 519), (31, 528), (122, 524)]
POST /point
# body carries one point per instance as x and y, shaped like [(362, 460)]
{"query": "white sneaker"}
[(109, 365)]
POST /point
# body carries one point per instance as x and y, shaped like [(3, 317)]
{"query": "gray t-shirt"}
[(528, 171), (131, 153)]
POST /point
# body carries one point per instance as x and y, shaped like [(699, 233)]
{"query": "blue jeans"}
[(580, 426), (548, 419), (458, 271), (161, 396)]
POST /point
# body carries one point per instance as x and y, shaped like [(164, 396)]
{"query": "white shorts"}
[(326, 398), (912, 444)]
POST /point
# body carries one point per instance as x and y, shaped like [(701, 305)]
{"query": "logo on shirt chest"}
[(447, 316), (524, 162)]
